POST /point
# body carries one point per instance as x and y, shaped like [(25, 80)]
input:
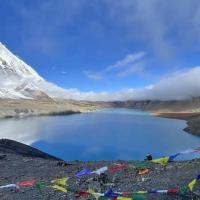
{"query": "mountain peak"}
[(20, 80), (17, 79), (10, 64)]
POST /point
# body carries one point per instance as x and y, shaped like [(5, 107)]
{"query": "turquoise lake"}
[(106, 134)]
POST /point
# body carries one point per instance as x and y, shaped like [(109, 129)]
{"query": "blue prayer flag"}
[(83, 172)]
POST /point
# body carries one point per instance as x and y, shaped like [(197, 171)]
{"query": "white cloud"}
[(132, 69), (93, 75), (180, 85), (127, 61), (130, 64)]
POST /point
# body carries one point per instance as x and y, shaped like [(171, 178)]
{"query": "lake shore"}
[(21, 162), (13, 108), (192, 119), (188, 110), (10, 108)]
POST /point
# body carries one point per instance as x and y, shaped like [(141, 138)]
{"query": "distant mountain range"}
[(20, 81)]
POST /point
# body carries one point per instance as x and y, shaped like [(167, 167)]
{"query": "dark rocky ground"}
[(193, 126), (21, 163)]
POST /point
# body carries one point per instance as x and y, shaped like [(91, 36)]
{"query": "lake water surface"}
[(107, 134)]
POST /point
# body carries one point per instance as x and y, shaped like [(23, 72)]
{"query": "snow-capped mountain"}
[(19, 80), (12, 65)]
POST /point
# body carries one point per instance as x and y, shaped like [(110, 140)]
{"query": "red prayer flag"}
[(173, 190), (198, 149), (82, 193), (126, 193), (27, 183), (116, 167)]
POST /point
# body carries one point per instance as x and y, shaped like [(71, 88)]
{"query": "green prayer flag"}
[(184, 189), (103, 198), (138, 197), (71, 190), (41, 184), (138, 164)]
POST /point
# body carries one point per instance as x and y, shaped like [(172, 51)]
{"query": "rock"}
[(3, 156)]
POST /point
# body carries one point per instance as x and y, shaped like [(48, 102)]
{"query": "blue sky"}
[(103, 45)]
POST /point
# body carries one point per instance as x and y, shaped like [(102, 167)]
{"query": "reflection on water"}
[(108, 134)]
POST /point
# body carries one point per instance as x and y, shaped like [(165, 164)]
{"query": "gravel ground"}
[(16, 167)]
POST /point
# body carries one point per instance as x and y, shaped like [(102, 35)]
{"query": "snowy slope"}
[(19, 80), (12, 65)]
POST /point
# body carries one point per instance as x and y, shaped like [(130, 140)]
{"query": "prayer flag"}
[(143, 171), (197, 149), (153, 191), (27, 183), (162, 161), (61, 181), (124, 198), (110, 193), (100, 171), (41, 184), (8, 186), (141, 192), (138, 197), (57, 187), (162, 191), (192, 184), (139, 165), (117, 167), (171, 158), (173, 191), (83, 172), (82, 193), (187, 151)]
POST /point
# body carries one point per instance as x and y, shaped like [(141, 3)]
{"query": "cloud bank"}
[(179, 85)]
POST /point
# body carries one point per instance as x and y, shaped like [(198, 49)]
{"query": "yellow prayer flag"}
[(57, 187), (141, 192), (162, 161), (192, 184), (62, 181), (124, 198)]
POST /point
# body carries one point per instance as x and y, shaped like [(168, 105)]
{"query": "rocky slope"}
[(191, 105), (19, 162)]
